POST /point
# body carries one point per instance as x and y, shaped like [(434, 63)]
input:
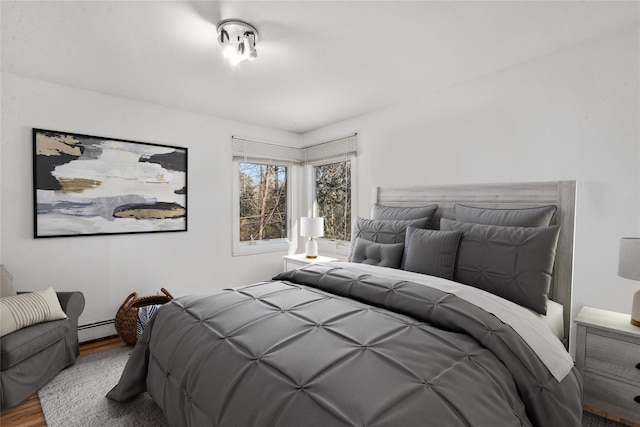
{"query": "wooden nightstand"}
[(298, 260), (608, 358)]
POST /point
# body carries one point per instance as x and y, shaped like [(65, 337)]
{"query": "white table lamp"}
[(312, 227), (629, 268)]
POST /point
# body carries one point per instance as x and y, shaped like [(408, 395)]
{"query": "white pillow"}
[(20, 311), (6, 283)]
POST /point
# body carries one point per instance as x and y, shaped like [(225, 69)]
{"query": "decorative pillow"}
[(431, 252), (28, 309), (6, 283), (380, 254), (383, 231), (515, 263), (527, 217), (402, 213), (144, 315)]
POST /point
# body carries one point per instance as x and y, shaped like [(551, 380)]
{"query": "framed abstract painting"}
[(91, 185)]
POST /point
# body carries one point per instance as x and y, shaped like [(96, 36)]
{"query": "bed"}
[(365, 343)]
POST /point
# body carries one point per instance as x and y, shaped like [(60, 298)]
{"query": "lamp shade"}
[(629, 258), (311, 226)]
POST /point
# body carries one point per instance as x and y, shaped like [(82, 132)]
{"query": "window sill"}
[(241, 249)]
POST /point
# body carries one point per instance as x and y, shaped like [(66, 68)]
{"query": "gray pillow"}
[(380, 254), (402, 213), (515, 263), (382, 231), (431, 252), (527, 217)]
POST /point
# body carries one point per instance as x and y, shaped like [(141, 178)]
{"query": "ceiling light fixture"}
[(238, 40)]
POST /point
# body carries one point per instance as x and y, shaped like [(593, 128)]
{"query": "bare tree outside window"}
[(333, 196), (263, 202)]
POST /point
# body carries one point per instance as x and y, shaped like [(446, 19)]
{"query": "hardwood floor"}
[(615, 418), (29, 413)]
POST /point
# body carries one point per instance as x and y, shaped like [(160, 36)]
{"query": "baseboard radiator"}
[(96, 324)]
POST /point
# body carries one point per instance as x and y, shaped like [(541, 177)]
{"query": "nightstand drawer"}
[(611, 355), (612, 396)]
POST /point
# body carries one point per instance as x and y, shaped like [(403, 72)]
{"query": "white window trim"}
[(263, 246), (332, 246)]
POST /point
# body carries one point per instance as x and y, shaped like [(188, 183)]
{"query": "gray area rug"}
[(76, 396), (591, 420)]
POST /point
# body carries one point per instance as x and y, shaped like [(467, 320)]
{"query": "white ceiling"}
[(319, 62)]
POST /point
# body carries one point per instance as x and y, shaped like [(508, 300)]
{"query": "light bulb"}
[(229, 52)]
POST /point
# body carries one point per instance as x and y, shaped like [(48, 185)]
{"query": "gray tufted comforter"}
[(324, 346)]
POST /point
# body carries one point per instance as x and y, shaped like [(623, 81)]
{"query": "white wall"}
[(107, 268), (573, 115)]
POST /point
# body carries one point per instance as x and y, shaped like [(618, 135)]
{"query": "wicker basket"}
[(127, 314)]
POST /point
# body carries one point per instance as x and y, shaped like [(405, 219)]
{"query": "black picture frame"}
[(85, 185)]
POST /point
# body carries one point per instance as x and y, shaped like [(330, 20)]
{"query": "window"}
[(263, 191), (332, 188), (331, 178), (263, 202)]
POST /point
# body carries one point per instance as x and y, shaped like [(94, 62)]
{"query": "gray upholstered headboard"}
[(505, 195)]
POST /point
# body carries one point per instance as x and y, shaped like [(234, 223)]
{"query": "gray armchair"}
[(32, 356)]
